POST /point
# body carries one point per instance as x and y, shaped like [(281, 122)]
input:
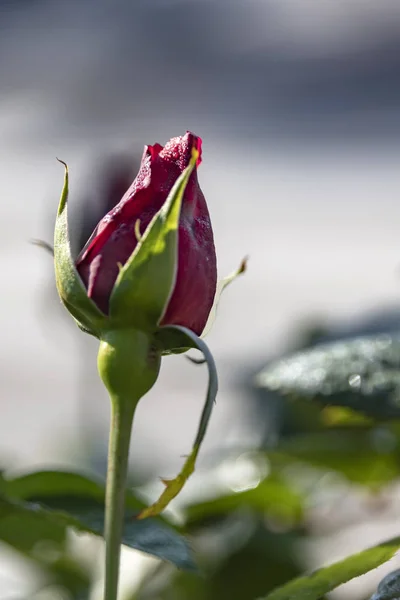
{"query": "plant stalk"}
[(128, 367), (118, 451)]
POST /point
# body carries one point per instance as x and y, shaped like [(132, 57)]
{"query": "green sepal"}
[(172, 340), (69, 285), (221, 286), (174, 486), (145, 282)]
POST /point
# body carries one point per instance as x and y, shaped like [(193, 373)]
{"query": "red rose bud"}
[(115, 237)]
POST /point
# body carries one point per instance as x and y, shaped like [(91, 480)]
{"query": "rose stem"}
[(118, 451)]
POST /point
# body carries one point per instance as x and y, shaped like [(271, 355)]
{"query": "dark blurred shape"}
[(280, 416), (107, 184), (389, 587), (361, 374)]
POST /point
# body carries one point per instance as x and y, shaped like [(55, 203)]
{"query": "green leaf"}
[(174, 486), (362, 374), (23, 525), (70, 499), (144, 284), (365, 455), (272, 496), (69, 285), (57, 489), (322, 581)]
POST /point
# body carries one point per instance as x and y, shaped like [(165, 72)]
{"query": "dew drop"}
[(355, 381)]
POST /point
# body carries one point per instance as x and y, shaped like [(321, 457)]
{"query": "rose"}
[(116, 236), (145, 286)]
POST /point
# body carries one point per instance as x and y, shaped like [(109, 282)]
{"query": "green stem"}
[(128, 366), (120, 433)]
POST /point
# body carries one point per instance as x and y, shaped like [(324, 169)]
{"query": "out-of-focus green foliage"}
[(272, 497), (42, 506), (58, 487), (365, 455), (245, 542), (362, 374), (355, 435), (248, 538), (315, 585), (65, 573), (24, 524), (244, 566)]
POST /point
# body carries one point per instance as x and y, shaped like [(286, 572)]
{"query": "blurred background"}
[(298, 105)]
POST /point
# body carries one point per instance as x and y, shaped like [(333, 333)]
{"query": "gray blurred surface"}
[(298, 107), (312, 203)]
